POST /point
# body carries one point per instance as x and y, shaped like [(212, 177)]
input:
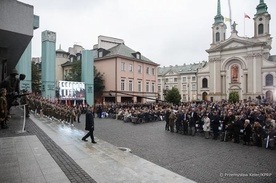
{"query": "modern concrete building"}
[(236, 63), (16, 31)]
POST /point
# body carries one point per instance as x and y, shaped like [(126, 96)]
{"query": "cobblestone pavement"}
[(70, 168), (197, 158)]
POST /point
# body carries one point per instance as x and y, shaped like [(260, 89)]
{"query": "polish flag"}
[(246, 16)]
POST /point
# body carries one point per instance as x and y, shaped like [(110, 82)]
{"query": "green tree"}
[(75, 72), (75, 75), (234, 97), (173, 96), (98, 83), (36, 77)]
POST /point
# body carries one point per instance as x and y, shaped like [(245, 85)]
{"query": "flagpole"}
[(244, 25), (230, 14)]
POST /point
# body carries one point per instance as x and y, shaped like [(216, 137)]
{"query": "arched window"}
[(234, 74), (204, 83), (260, 29), (269, 80), (217, 37)]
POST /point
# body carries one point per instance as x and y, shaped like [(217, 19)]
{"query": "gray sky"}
[(168, 32)]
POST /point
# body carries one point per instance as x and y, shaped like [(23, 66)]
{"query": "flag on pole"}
[(227, 19), (246, 16)]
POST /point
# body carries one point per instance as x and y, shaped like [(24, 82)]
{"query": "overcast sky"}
[(168, 32)]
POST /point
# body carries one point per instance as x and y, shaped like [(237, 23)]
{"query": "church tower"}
[(261, 21), (219, 27)]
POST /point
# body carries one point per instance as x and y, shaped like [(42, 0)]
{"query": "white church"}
[(234, 64), (241, 64)]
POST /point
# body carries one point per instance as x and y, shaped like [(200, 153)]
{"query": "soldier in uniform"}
[(3, 109), (11, 83), (78, 113)]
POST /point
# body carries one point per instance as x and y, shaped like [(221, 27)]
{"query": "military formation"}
[(55, 110)]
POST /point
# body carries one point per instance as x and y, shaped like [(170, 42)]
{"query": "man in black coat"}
[(167, 115), (192, 121), (215, 124), (247, 132), (89, 125)]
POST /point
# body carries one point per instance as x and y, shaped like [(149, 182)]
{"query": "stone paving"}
[(70, 168), (199, 159)]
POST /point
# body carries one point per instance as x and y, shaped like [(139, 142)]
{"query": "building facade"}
[(183, 77), (129, 76), (237, 63)]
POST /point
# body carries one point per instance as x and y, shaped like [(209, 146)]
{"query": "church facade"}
[(238, 63)]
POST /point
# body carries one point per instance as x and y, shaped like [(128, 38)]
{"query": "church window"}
[(269, 80), (261, 29), (204, 83), (217, 37), (234, 74)]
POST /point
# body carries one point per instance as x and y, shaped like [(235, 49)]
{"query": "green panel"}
[(24, 66), (87, 76), (48, 63)]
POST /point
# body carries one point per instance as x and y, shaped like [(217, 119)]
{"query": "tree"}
[(98, 83), (234, 97), (173, 96), (75, 73), (36, 77)]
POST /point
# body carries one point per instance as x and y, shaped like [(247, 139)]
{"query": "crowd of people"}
[(249, 121)]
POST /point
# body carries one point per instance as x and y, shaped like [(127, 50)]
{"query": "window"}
[(138, 55), (122, 84), (167, 80), (171, 80), (100, 54), (139, 69), (139, 86), (260, 29), (217, 37), (123, 66), (184, 79), (147, 71), (193, 78), (175, 80), (193, 87), (147, 86), (159, 88), (153, 71), (152, 87), (234, 74), (130, 85), (184, 87), (130, 68), (159, 80), (204, 83), (269, 80)]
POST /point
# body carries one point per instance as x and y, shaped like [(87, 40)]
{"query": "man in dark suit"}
[(89, 125), (192, 121)]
